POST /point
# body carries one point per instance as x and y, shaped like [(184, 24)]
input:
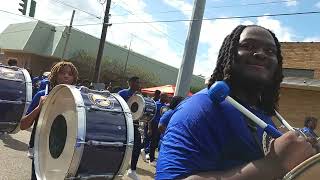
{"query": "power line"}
[(208, 19), (217, 7), (32, 18), (163, 33), (65, 4)]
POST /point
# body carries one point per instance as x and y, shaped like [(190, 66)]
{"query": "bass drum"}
[(83, 134), (307, 170), (142, 108), (15, 97)]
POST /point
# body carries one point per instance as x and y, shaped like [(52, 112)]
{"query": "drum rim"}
[(297, 170), (76, 159), (143, 106), (130, 135)]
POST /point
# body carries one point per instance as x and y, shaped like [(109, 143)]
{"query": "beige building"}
[(300, 90)]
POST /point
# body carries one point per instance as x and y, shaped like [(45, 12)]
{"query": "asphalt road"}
[(15, 165)]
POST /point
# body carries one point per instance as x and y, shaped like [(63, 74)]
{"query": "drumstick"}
[(283, 121), (219, 91), (46, 91)]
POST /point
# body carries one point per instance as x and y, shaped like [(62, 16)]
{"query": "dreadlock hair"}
[(226, 58), (175, 101), (57, 68)]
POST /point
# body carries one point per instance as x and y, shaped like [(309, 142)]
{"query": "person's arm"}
[(29, 119), (162, 128), (285, 153)]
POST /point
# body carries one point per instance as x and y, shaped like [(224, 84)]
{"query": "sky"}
[(165, 41)]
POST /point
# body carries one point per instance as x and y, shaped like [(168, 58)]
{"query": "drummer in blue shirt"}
[(207, 140), (134, 87), (153, 131), (61, 73)]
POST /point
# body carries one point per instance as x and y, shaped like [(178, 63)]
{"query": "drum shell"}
[(143, 109), (104, 127), (15, 97), (86, 121), (150, 110)]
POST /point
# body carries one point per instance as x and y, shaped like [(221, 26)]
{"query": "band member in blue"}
[(208, 140), (310, 124), (134, 86), (153, 130), (62, 73)]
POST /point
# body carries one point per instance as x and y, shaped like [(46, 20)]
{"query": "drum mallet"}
[(46, 90), (284, 122), (219, 92)]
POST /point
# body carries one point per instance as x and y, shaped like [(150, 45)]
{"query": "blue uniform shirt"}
[(156, 119), (35, 101), (43, 84), (309, 132), (204, 136), (126, 93), (165, 118)]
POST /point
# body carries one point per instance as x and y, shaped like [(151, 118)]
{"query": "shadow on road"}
[(145, 172), (13, 143)]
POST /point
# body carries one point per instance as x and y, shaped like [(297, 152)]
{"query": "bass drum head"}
[(307, 170), (57, 134), (136, 105)]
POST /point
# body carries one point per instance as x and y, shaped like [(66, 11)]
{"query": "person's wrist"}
[(273, 163)]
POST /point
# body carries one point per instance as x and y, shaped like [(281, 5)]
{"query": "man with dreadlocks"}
[(207, 140), (61, 73)]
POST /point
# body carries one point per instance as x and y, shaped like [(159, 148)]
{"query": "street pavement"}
[(15, 165)]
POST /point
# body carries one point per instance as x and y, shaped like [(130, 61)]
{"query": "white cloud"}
[(311, 39), (282, 32), (292, 3), (182, 5), (318, 4)]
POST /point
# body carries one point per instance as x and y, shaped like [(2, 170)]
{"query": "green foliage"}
[(112, 70)]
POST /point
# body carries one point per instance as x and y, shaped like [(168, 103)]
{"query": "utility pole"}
[(68, 36), (105, 26), (125, 66), (190, 50)]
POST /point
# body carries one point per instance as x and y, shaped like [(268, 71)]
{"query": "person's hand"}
[(288, 151), (42, 100)]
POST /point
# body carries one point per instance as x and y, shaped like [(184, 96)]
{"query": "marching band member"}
[(61, 73), (134, 86), (207, 140)]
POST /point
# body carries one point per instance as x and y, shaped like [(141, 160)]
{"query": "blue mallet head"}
[(219, 91)]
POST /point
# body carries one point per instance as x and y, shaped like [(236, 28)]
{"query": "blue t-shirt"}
[(156, 119), (164, 120), (309, 132), (43, 84), (35, 101), (205, 136), (126, 93)]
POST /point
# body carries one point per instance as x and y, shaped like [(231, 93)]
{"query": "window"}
[(291, 72)]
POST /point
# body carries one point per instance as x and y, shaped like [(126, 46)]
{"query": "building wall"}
[(296, 104), (304, 55), (36, 63)]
